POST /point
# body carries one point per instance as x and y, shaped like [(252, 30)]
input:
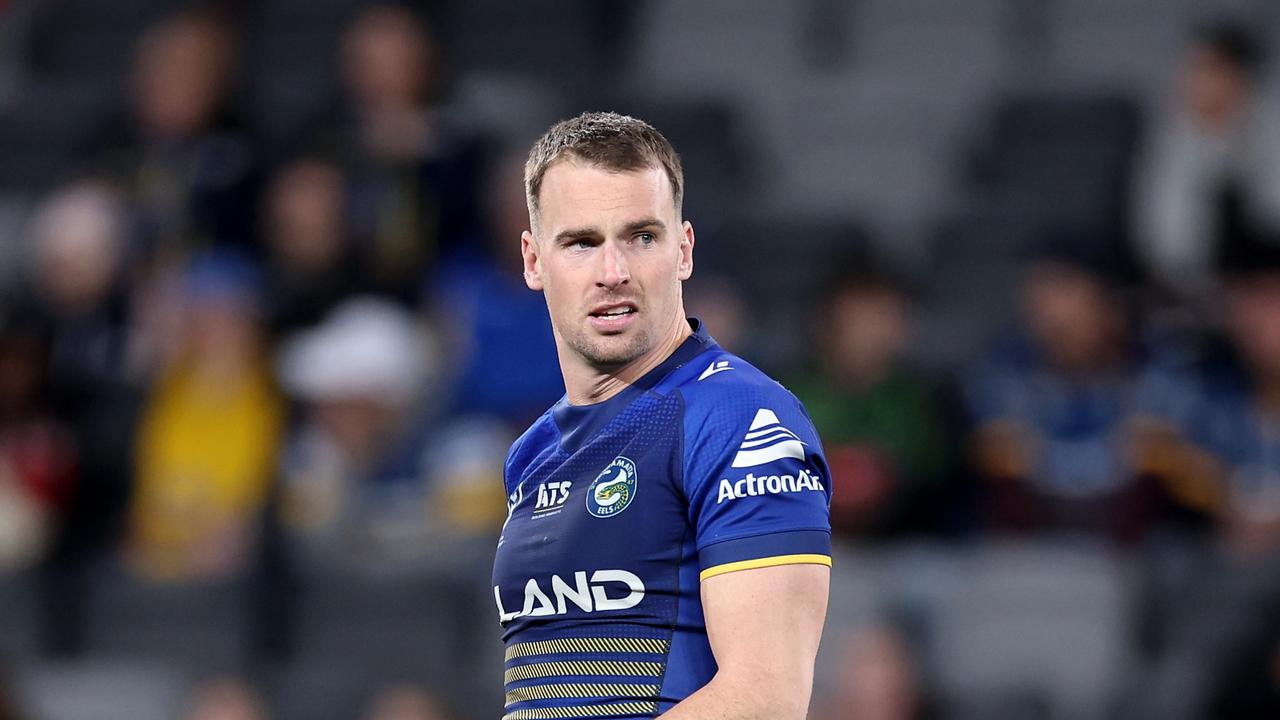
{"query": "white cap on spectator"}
[(366, 349)]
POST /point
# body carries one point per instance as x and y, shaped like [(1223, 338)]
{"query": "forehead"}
[(576, 193)]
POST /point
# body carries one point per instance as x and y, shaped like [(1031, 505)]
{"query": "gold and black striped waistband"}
[(609, 645), (625, 681), (579, 691), (542, 670), (584, 711)]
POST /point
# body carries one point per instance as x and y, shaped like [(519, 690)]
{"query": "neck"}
[(586, 384)]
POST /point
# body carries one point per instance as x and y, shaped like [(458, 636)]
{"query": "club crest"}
[(613, 489)]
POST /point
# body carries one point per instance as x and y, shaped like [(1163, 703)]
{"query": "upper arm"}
[(764, 625), (756, 481)]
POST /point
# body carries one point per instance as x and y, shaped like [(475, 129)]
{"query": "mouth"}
[(614, 317), (613, 311)]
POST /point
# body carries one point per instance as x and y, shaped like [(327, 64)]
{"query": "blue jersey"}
[(618, 510)]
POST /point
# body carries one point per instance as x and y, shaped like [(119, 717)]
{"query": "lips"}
[(613, 318), (613, 311)]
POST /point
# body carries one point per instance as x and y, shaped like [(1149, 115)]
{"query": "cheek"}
[(561, 294)]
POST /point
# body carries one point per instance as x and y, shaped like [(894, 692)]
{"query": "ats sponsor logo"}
[(756, 485), (551, 498), (590, 592)]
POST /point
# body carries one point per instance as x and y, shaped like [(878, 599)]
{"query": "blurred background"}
[(264, 343)]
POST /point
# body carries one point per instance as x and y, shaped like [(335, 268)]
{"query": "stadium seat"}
[(202, 626), (102, 689), (1041, 622), (561, 39), (731, 48), (434, 625), (19, 621), (43, 136)]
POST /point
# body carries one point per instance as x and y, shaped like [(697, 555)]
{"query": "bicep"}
[(764, 625)]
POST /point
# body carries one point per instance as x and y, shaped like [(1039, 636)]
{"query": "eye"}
[(647, 238)]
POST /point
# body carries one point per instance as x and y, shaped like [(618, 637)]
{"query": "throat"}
[(593, 384)]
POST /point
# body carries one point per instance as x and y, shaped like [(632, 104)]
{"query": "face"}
[(609, 252), (1214, 89), (871, 331), (180, 76), (1069, 312), (306, 216), (1255, 323), (387, 60), (78, 250)]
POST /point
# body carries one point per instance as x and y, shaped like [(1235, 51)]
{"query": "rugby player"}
[(667, 543)]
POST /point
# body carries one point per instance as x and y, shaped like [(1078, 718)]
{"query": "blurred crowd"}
[(279, 371)]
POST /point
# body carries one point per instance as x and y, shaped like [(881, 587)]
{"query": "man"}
[(1221, 131), (667, 546)]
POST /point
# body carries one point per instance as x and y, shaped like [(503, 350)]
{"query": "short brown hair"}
[(614, 142)]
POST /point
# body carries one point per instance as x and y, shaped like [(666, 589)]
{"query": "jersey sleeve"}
[(757, 483)]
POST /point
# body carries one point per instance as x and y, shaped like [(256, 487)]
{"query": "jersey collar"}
[(577, 423)]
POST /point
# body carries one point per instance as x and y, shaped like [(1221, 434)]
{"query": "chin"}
[(614, 350)]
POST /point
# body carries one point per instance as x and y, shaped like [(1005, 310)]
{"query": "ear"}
[(532, 272), (685, 268)]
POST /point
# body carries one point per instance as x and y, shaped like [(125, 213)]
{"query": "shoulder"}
[(724, 395), (717, 375)]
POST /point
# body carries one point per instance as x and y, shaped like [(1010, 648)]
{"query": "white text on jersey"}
[(756, 485), (593, 596), (551, 497)]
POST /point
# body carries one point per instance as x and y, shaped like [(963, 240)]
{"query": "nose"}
[(615, 271)]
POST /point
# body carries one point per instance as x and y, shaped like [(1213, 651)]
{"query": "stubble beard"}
[(610, 351)]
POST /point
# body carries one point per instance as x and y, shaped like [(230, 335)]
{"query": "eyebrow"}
[(645, 223), (589, 232)]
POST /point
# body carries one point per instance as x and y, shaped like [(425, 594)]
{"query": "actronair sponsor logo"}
[(766, 441), (757, 485), (604, 590)]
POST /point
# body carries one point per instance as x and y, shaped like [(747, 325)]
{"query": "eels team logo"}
[(613, 489)]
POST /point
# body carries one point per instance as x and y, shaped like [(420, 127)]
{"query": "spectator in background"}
[(404, 702), (881, 421), (500, 336), (1239, 423), (1221, 130), (78, 240), (1219, 644), (187, 166), (309, 265), (1058, 408), (210, 432), (413, 172), (356, 471), (225, 698)]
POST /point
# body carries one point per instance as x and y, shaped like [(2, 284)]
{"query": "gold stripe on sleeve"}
[(765, 562)]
